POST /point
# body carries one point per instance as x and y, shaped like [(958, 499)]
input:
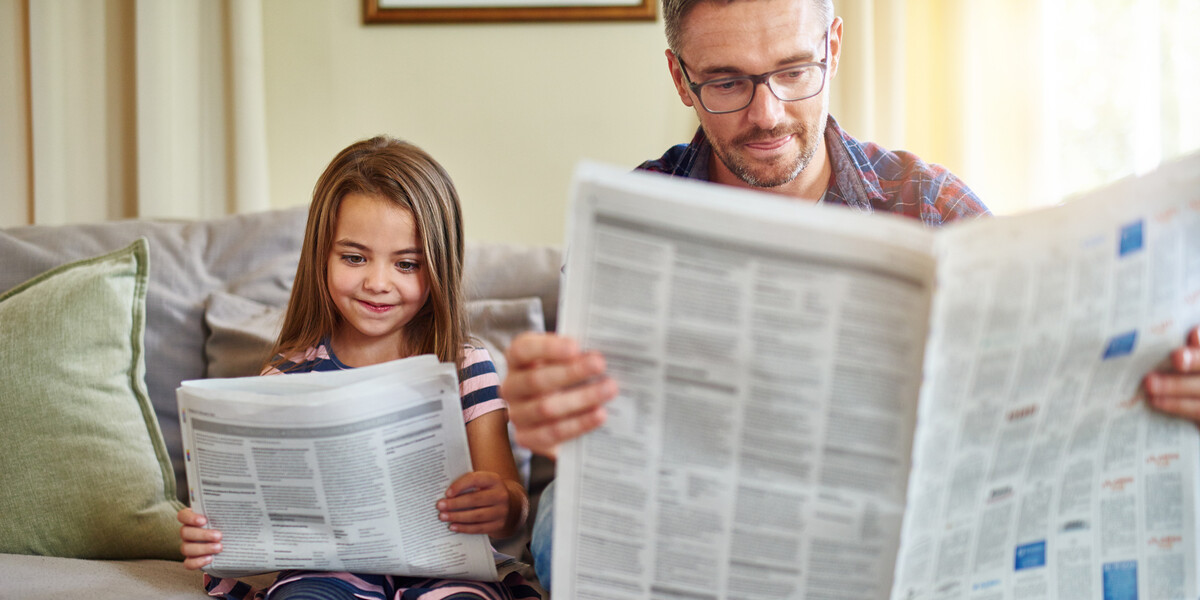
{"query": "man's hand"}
[(554, 391), (1177, 392)]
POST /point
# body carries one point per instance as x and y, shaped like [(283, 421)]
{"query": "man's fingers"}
[(1187, 408), (545, 439), (553, 407), (1173, 385), (1186, 359), (529, 348), (549, 378)]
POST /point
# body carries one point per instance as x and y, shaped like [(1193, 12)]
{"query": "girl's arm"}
[(490, 499)]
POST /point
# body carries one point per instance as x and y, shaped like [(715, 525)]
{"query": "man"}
[(757, 72)]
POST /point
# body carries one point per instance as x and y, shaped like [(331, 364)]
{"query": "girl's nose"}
[(376, 279)]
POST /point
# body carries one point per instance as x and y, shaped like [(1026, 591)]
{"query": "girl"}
[(379, 279)]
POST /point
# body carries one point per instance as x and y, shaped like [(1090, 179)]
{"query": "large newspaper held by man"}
[(332, 471), (828, 405)]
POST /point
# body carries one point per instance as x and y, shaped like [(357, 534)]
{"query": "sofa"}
[(119, 313)]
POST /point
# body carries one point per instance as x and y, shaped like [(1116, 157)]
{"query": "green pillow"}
[(84, 472)]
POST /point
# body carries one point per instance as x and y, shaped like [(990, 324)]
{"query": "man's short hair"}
[(675, 11)]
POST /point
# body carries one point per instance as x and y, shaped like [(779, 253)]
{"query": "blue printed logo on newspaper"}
[(1132, 239), (1121, 345), (1120, 580), (1031, 555)]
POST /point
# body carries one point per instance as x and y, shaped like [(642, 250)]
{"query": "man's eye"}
[(727, 86)]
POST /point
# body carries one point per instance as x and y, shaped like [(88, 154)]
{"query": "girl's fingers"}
[(196, 534), (200, 550), (474, 482), (187, 516), (481, 498), (476, 516), (193, 564), (484, 528)]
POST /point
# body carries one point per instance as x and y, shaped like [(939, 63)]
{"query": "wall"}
[(507, 108)]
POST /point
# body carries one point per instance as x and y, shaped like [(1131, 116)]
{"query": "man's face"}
[(769, 143)]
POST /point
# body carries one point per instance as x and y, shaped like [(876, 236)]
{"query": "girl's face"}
[(377, 278)]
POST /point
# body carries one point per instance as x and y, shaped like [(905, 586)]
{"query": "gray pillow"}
[(241, 331)]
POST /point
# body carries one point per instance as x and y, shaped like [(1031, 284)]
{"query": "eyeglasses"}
[(789, 84)]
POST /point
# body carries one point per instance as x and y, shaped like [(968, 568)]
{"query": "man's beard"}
[(792, 166)]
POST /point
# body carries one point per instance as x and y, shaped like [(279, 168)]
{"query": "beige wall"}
[(507, 108)]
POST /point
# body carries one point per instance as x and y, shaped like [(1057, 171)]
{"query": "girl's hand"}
[(1177, 391), (199, 545), (477, 502)]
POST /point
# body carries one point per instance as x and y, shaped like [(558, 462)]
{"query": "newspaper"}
[(332, 471), (827, 405)]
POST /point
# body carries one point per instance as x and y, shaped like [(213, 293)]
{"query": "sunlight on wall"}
[(508, 109)]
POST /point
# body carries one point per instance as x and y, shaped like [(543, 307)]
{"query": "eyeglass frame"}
[(758, 79)]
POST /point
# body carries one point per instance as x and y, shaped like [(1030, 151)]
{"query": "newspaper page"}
[(768, 356), (1039, 472), (332, 471)]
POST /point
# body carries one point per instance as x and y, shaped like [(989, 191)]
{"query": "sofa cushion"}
[(251, 255), (52, 578), (84, 472)]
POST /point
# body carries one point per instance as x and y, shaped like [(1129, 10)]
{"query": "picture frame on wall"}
[(483, 11)]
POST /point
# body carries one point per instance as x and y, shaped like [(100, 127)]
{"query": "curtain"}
[(131, 108), (952, 81), (1028, 101)]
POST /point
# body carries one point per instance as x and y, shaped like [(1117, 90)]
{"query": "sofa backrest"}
[(252, 256)]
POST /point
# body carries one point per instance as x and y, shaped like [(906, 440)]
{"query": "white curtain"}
[(1029, 101), (956, 82), (131, 108)]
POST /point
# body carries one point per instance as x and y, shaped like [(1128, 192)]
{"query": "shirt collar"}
[(847, 184)]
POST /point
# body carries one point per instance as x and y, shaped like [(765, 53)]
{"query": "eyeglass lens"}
[(735, 93)]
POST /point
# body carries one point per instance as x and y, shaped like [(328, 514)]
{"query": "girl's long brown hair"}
[(398, 171)]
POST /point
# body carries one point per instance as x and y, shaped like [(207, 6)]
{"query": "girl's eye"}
[(407, 266), (353, 259)]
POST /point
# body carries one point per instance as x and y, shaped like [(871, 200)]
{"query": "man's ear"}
[(835, 46), (677, 77)]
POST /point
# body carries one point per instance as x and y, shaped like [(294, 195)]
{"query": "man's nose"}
[(765, 110)]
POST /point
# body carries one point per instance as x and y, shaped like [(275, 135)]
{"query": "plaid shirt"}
[(865, 177)]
